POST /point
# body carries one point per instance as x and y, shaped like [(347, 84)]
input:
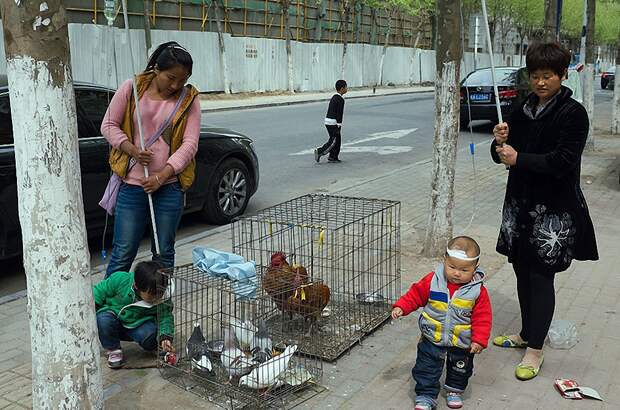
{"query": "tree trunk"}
[(345, 30), (550, 25), (222, 45), (289, 52), (421, 20), (147, 28), (615, 112), (385, 45), (359, 13), (321, 7), (588, 73), (66, 371), (373, 26), (448, 60)]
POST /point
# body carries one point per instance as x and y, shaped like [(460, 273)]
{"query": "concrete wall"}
[(101, 55)]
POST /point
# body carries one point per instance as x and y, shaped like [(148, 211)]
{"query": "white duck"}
[(233, 359), (268, 373), (244, 331)]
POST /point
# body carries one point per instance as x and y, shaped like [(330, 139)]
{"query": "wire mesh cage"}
[(351, 245), (231, 349)]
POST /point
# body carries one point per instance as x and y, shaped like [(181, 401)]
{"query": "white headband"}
[(459, 254)]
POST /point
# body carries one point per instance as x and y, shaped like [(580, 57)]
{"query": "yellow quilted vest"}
[(119, 160)]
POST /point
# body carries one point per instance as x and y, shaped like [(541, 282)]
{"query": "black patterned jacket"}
[(545, 218)]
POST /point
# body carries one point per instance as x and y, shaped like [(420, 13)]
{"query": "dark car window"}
[(6, 125), (91, 105), (483, 77)]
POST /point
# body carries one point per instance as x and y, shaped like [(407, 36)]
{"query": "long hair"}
[(169, 54)]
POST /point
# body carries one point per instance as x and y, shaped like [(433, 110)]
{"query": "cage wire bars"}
[(352, 245)]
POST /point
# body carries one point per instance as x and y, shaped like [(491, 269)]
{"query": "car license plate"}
[(480, 97)]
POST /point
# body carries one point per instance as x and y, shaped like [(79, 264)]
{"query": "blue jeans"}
[(429, 366), (111, 332), (132, 216)]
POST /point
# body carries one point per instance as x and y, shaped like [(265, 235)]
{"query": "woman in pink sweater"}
[(171, 128)]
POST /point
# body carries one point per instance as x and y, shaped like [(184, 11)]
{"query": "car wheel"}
[(229, 194)]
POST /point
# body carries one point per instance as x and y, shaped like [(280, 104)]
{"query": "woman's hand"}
[(157, 179), (396, 313), (500, 131), (152, 183), (507, 155), (145, 157)]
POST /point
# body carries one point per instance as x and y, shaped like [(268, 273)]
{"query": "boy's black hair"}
[(340, 84), (168, 55), (148, 278), (547, 56), (466, 244)]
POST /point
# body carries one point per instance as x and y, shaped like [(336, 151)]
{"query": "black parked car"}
[(608, 78), (478, 98), (226, 169)]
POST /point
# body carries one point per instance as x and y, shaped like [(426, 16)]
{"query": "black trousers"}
[(536, 293), (333, 144)]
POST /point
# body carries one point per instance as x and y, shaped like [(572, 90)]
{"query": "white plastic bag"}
[(562, 334)]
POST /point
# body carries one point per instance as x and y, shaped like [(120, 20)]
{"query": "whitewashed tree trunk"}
[(222, 45), (385, 47), (615, 111), (289, 51), (66, 371), (588, 73), (448, 57), (345, 32)]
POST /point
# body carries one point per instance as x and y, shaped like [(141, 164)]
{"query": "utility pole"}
[(588, 72), (447, 97), (66, 370)]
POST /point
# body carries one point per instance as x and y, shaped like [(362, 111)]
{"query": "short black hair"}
[(149, 278), (169, 54), (340, 84), (547, 56)]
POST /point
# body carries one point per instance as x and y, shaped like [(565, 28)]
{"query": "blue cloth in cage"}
[(228, 265)]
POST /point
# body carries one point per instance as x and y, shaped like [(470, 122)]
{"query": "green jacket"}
[(116, 293)]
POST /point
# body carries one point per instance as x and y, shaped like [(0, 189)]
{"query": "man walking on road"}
[(333, 123)]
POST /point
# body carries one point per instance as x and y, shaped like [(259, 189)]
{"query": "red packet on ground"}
[(569, 389)]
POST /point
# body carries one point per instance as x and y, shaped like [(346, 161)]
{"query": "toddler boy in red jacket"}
[(455, 323)]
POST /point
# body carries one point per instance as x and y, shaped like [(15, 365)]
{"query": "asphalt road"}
[(380, 134)]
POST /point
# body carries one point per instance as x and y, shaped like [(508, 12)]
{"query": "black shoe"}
[(333, 160), (317, 156)]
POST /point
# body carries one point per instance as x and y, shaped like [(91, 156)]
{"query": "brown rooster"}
[(278, 279), (308, 300), (291, 290)]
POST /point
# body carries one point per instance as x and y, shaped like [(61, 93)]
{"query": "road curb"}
[(286, 103)]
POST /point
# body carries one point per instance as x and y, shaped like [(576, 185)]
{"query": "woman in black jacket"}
[(545, 219)]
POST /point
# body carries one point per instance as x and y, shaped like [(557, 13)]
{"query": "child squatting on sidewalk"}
[(455, 323), (127, 306)]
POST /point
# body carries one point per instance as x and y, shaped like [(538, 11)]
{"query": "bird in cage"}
[(308, 300), (197, 350), (233, 359), (262, 345), (281, 279), (244, 332), (269, 373)]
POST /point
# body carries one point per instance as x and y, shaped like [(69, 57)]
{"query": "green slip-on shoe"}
[(528, 372), (506, 341)]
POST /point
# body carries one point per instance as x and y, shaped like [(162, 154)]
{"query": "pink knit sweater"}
[(154, 113)]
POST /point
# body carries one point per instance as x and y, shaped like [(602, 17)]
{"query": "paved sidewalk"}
[(221, 102), (376, 374)]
